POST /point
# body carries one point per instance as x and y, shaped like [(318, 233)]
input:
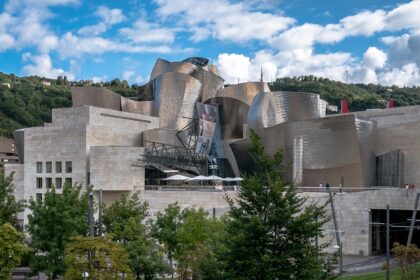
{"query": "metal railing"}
[(206, 188)]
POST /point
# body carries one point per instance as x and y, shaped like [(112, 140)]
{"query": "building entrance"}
[(399, 228)]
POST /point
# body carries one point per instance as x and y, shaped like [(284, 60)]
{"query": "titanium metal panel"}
[(233, 115), (139, 107), (163, 66), (213, 69), (211, 83), (96, 96), (272, 108), (174, 99), (244, 92)]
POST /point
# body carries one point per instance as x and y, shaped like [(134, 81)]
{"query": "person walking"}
[(327, 186)]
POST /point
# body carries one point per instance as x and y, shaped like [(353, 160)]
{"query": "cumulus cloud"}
[(41, 65), (108, 18), (224, 20), (146, 32), (71, 45)]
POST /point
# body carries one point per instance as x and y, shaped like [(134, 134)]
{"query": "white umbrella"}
[(214, 178), (176, 178), (228, 179), (237, 179), (198, 178)]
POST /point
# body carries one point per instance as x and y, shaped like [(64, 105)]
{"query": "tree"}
[(199, 238), (101, 257), (124, 219), (165, 229), (408, 258), (11, 249), (270, 232), (9, 207), (52, 223)]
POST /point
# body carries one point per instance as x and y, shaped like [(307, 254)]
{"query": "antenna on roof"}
[(238, 80), (262, 76)]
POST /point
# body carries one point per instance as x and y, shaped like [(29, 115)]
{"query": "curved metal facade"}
[(174, 99), (244, 92), (210, 82), (272, 108), (163, 66)]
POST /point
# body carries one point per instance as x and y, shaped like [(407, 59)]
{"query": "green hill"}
[(29, 100)]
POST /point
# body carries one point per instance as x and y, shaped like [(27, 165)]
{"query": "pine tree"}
[(271, 230)]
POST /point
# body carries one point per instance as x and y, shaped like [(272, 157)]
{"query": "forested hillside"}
[(28, 101)]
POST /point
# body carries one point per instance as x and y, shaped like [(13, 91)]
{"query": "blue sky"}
[(352, 41)]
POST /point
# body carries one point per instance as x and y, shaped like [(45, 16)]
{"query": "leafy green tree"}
[(11, 249), (270, 232), (199, 239), (165, 229), (9, 207), (101, 257), (51, 225), (124, 219)]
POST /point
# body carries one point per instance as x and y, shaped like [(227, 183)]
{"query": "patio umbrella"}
[(200, 178), (176, 177), (214, 178), (237, 179)]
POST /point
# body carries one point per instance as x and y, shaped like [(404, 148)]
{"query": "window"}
[(69, 181), (68, 167), (39, 197), (48, 167), (48, 183), (58, 167), (58, 183), (39, 167), (39, 183)]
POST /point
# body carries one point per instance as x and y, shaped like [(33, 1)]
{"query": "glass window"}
[(69, 181), (48, 167), (48, 183), (69, 168), (58, 183), (39, 183), (39, 197), (39, 167), (58, 167)]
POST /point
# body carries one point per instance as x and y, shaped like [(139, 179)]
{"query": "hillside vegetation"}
[(29, 100)]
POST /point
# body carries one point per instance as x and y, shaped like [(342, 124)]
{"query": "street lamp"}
[(85, 275), (340, 260)]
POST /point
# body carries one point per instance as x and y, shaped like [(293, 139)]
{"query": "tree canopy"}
[(52, 223), (9, 207), (271, 231)]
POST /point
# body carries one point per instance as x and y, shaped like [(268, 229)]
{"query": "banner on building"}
[(206, 127)]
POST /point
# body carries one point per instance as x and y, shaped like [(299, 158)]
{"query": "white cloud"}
[(146, 32), (374, 58), (6, 42), (108, 18), (42, 66), (233, 67), (405, 16), (71, 45), (223, 20), (407, 75), (364, 23)]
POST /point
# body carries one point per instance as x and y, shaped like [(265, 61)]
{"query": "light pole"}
[(340, 257)]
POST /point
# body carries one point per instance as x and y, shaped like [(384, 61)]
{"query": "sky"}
[(358, 41)]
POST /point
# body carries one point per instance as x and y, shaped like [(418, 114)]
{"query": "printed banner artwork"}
[(207, 125)]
